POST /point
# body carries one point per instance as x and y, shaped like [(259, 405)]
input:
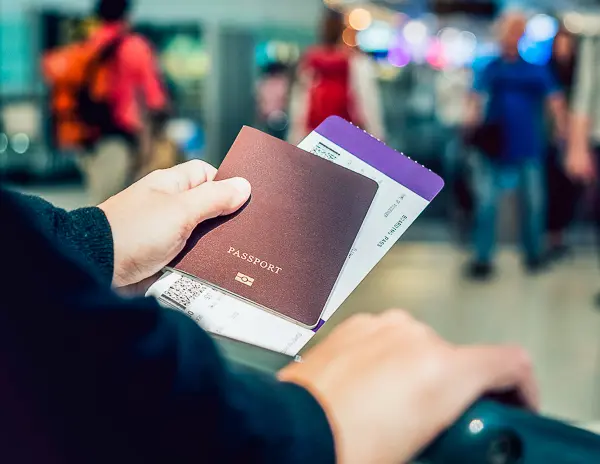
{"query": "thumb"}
[(215, 198)]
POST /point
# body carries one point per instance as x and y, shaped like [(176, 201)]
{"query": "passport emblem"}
[(244, 279)]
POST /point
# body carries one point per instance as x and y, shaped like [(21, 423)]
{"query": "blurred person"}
[(88, 376), (508, 134), (272, 96), (156, 150), (563, 192), (102, 89), (334, 79), (583, 160), (452, 88), (157, 147)]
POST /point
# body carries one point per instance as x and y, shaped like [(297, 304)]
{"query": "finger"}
[(498, 369), (405, 325), (352, 334), (216, 198), (365, 324), (354, 329), (196, 172), (139, 288), (398, 319), (184, 177)]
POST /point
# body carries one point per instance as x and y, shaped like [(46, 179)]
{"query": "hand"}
[(560, 135), (389, 385), (152, 220), (473, 113), (580, 165), (471, 122)]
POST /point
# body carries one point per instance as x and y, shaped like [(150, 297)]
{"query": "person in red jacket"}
[(335, 80), (137, 90)]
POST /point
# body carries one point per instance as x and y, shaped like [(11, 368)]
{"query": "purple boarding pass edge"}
[(393, 164), (319, 325)]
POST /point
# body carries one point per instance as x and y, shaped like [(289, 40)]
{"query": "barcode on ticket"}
[(325, 152), (183, 292)]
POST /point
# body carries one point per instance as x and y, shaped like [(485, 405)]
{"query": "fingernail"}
[(241, 185)]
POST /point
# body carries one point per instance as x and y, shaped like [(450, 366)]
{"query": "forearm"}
[(474, 110), (558, 109), (194, 407), (112, 379), (579, 133), (365, 88), (298, 112), (213, 413)]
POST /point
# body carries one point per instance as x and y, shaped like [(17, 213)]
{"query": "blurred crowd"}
[(511, 125)]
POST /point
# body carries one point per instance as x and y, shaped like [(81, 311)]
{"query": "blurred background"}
[(227, 63)]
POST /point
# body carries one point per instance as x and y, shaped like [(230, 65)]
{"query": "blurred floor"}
[(552, 315)]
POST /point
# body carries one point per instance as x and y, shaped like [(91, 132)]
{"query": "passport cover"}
[(284, 250)]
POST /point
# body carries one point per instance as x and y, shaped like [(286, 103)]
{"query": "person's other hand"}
[(389, 385), (580, 165), (152, 220)]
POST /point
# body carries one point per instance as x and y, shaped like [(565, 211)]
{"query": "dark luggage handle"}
[(492, 433)]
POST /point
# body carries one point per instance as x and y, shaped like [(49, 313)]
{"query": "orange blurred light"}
[(349, 37), (360, 19)]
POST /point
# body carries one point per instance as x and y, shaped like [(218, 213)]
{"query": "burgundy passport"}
[(284, 249)]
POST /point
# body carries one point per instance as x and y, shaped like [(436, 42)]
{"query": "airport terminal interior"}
[(225, 64)]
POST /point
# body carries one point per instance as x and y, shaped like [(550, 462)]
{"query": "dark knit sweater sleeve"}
[(90, 377), (85, 231)]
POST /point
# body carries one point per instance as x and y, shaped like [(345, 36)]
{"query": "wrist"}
[(578, 152), (319, 441), (91, 235), (289, 376), (119, 265)]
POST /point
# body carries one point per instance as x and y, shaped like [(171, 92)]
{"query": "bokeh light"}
[(20, 143), (399, 54), (476, 426), (435, 54), (415, 32), (181, 130), (271, 50), (468, 41), (360, 19), (535, 52), (542, 27), (375, 38), (349, 37), (457, 47), (448, 36), (3, 142), (574, 22)]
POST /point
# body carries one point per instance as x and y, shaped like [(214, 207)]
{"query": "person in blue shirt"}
[(516, 94)]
